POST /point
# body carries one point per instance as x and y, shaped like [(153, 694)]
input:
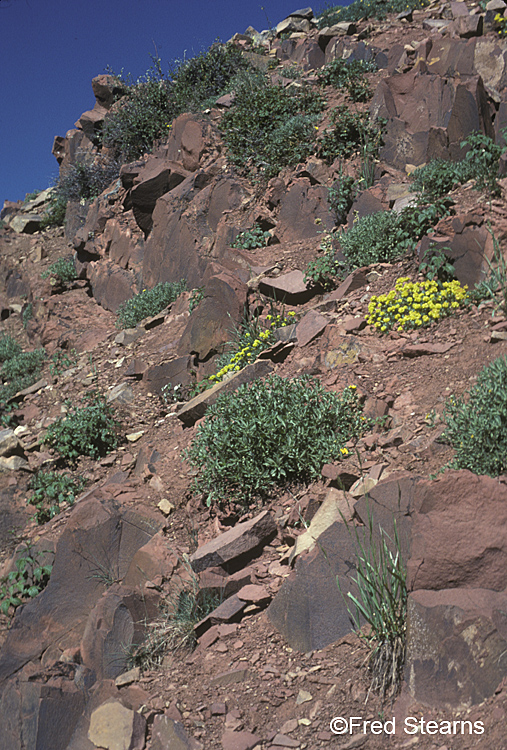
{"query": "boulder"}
[(304, 212), (174, 372), (289, 287), (241, 540), (169, 734), (111, 285), (155, 179), (191, 139), (115, 727)]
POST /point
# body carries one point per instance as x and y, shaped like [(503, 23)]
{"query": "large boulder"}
[(157, 177)]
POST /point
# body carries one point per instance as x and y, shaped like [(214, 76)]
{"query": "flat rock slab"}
[(242, 539), (115, 727), (197, 407), (168, 734), (309, 327), (289, 288)]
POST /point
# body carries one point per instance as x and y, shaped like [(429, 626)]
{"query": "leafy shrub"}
[(436, 266), (20, 371), (348, 75), (27, 314), (62, 269), (251, 239), (378, 237), (149, 302), (415, 305), (270, 127), (350, 132), (270, 433), (363, 9), (480, 164), (50, 490), (322, 271), (29, 578), (152, 102), (88, 430), (196, 296), (80, 182), (9, 347), (341, 197), (477, 423), (62, 360), (381, 579)]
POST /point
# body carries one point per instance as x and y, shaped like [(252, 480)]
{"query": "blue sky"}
[(51, 49)]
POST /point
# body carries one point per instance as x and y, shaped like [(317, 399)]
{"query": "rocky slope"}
[(276, 660)]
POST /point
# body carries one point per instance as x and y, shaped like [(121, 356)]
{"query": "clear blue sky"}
[(51, 49)]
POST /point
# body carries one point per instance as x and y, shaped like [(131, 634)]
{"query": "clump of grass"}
[(88, 430), (271, 433), (382, 603), (415, 304), (149, 302), (477, 423), (174, 629)]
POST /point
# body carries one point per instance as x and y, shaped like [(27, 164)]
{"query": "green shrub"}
[(270, 127), (19, 372), (80, 182), (348, 75), (376, 238), (271, 433), (350, 132), (477, 423), (149, 302), (480, 164), (62, 269), (323, 270), (363, 9), (88, 430), (415, 305), (341, 196), (9, 347), (51, 489), (27, 314), (251, 239), (436, 266), (29, 578), (151, 103)]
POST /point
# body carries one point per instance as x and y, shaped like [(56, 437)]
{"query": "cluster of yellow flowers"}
[(251, 347), (415, 304), (501, 24)]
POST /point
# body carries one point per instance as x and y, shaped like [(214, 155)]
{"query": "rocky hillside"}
[(253, 371)]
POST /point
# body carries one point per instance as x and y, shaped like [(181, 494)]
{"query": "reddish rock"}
[(300, 208), (111, 285), (254, 593), (467, 514), (155, 179), (289, 287), (242, 539), (174, 372), (239, 740), (423, 350), (456, 645), (167, 733), (106, 90), (309, 327), (190, 139), (210, 326)]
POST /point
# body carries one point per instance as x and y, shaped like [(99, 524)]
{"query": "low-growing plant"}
[(480, 164), (364, 9), (82, 181), (27, 314), (323, 270), (251, 338), (174, 629), (382, 603), (415, 304), (62, 270), (435, 265), (476, 423), (29, 578), (62, 360), (348, 75), (9, 347), (88, 430), (251, 239), (149, 302), (50, 491), (340, 197), (350, 132), (375, 238), (19, 372), (270, 127), (196, 296), (500, 24), (271, 433)]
